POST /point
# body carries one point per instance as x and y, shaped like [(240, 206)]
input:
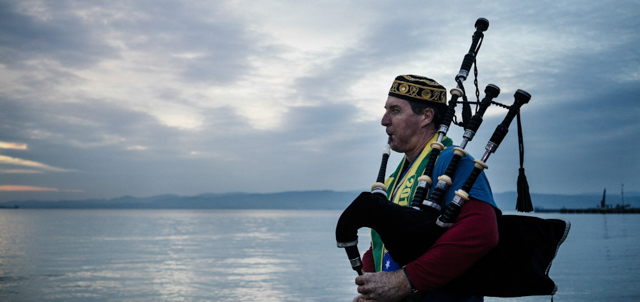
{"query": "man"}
[(414, 108)]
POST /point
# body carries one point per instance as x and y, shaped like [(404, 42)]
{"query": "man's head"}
[(414, 108)]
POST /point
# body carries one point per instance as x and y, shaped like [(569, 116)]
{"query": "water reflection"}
[(251, 256)]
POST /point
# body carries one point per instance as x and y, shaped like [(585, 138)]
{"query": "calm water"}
[(213, 255)]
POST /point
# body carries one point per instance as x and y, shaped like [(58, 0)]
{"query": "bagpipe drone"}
[(517, 266)]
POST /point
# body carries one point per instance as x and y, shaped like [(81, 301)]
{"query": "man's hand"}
[(382, 287)]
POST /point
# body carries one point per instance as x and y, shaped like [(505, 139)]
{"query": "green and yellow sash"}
[(401, 188)]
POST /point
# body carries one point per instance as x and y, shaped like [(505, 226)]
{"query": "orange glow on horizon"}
[(28, 163), (18, 188)]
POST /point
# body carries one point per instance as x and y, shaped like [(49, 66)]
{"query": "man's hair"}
[(438, 111)]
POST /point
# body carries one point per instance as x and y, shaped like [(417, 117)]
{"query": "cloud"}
[(20, 171), (31, 30), (204, 42), (10, 145)]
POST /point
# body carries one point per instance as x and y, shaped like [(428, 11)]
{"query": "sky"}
[(103, 99)]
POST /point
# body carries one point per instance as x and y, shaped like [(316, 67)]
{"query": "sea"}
[(253, 255)]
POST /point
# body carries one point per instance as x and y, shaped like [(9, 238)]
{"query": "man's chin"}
[(393, 147)]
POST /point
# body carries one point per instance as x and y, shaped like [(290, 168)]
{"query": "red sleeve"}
[(474, 234), (367, 261)]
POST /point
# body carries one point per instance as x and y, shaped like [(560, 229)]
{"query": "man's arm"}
[(368, 265), (473, 235)]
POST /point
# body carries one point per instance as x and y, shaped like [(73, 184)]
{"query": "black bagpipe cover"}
[(407, 233)]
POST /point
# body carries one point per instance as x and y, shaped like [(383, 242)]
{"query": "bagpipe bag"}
[(517, 266)]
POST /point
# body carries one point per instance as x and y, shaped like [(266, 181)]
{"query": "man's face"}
[(403, 126)]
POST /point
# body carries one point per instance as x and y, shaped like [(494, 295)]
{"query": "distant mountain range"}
[(299, 200)]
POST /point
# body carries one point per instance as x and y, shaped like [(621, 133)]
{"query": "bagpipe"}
[(519, 264)]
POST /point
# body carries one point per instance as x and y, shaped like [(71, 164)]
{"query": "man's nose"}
[(386, 121)]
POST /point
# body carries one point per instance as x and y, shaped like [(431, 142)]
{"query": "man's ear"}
[(427, 116)]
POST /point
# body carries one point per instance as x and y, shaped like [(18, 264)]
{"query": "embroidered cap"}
[(418, 89)]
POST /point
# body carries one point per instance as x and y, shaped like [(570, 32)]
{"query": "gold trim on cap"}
[(420, 92)]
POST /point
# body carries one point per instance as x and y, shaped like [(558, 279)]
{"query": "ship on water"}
[(603, 208)]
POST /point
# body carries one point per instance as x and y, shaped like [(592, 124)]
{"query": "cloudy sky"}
[(101, 99)]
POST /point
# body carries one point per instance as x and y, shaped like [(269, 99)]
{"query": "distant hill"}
[(312, 200), (300, 200)]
